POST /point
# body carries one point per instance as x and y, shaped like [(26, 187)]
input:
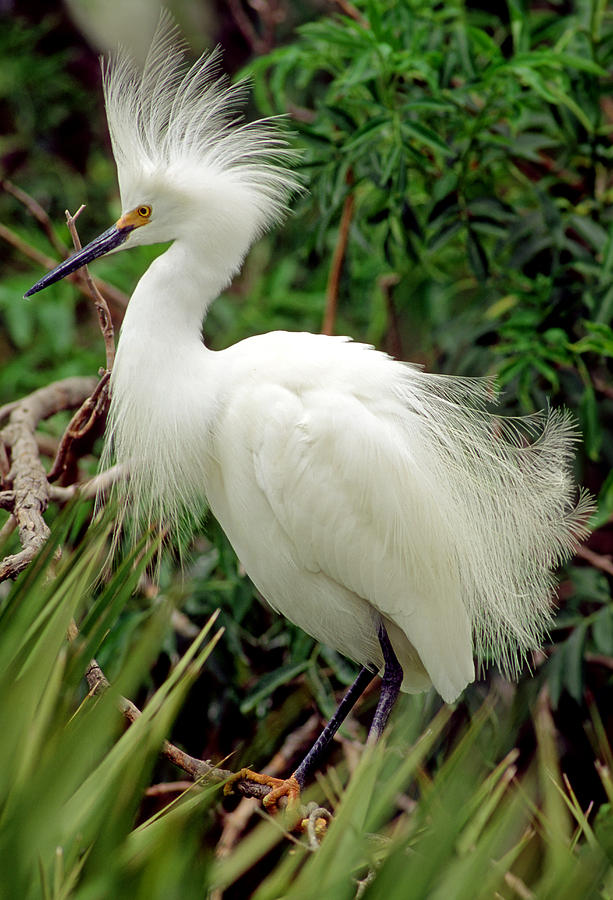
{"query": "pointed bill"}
[(109, 240)]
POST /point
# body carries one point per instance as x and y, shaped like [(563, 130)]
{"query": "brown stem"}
[(329, 321), (394, 343), (353, 12), (117, 298), (604, 563), (90, 414), (36, 210), (104, 316)]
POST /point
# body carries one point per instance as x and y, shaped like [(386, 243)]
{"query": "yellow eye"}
[(144, 212)]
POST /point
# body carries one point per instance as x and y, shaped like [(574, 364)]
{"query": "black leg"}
[(310, 761), (390, 687)]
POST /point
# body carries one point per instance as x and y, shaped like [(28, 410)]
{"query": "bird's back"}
[(355, 487)]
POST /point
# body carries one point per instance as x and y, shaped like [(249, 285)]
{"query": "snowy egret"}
[(384, 510)]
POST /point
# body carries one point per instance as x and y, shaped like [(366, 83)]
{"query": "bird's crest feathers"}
[(173, 116)]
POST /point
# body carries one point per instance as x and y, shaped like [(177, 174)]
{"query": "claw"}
[(280, 787)]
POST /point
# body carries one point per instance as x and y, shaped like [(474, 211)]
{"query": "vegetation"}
[(458, 213)]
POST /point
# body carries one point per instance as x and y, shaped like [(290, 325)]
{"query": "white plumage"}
[(354, 488)]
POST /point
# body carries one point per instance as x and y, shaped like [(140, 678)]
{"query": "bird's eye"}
[(144, 212)]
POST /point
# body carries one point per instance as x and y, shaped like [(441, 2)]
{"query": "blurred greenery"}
[(477, 145)]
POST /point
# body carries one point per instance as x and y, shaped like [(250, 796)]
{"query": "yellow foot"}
[(280, 787)]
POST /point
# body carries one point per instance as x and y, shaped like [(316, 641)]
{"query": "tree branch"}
[(199, 769), (26, 476)]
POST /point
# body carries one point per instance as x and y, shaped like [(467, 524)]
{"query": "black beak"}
[(110, 239)]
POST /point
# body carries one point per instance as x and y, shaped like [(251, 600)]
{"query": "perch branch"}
[(198, 768), (386, 284)]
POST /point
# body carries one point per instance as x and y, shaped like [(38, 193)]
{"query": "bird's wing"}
[(353, 495)]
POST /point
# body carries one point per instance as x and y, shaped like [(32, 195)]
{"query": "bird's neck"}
[(171, 299), (163, 385)]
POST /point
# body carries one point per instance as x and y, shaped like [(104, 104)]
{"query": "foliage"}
[(460, 830), (479, 155)]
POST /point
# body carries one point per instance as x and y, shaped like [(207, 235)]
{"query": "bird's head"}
[(188, 169)]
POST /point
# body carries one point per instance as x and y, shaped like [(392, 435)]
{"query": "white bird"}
[(382, 509)]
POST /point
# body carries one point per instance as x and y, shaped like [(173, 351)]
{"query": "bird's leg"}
[(292, 786), (365, 676), (390, 687)]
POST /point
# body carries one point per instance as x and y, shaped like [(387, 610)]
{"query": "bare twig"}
[(597, 560), (30, 490), (104, 316), (115, 296), (353, 12), (603, 386), (98, 485), (8, 528), (337, 263), (92, 412), (168, 787), (46, 262), (599, 659), (118, 299), (7, 499), (269, 12), (394, 343), (36, 210)]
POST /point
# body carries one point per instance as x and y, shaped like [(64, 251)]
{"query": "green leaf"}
[(602, 631), (477, 256), (572, 651), (424, 134)]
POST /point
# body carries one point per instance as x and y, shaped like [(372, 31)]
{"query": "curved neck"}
[(172, 297)]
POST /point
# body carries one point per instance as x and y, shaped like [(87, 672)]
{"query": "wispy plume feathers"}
[(172, 115)]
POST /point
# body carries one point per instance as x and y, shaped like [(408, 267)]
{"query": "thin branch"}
[(236, 821), (46, 262), (52, 398), (104, 316), (8, 528), (165, 788), (337, 263), (599, 659), (394, 342), (117, 298), (30, 489), (353, 12), (7, 500), (92, 412), (36, 210), (96, 487), (602, 386), (597, 560)]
